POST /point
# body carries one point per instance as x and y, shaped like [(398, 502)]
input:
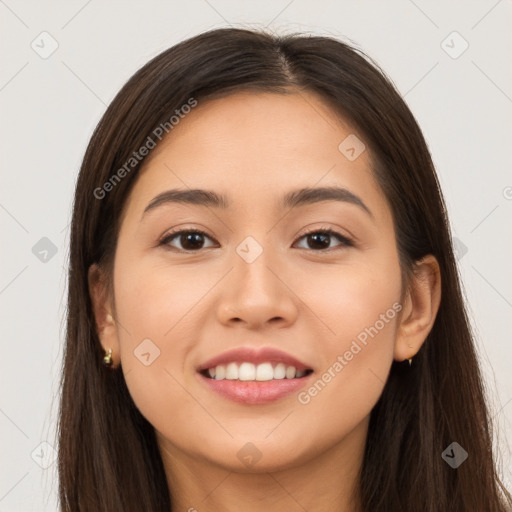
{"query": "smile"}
[(251, 372), (249, 389)]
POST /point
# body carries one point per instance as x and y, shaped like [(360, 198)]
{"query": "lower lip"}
[(255, 392)]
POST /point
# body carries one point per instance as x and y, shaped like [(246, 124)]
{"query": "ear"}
[(420, 308), (103, 311)]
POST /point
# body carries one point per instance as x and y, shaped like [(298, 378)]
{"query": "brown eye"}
[(194, 240), (321, 239), (190, 240)]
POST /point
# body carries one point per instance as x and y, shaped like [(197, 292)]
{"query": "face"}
[(256, 274)]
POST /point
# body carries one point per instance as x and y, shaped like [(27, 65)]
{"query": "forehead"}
[(244, 124), (256, 147)]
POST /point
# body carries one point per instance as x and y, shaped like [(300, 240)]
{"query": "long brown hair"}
[(108, 457)]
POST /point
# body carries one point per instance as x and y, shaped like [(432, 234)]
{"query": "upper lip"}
[(255, 356)]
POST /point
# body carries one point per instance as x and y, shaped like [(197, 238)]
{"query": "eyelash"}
[(345, 242)]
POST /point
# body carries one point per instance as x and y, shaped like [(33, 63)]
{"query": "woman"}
[(261, 259)]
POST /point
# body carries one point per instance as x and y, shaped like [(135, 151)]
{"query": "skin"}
[(307, 301)]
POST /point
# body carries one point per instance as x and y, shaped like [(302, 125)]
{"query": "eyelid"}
[(329, 228)]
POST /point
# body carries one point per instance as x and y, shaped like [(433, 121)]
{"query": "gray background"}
[(49, 107)]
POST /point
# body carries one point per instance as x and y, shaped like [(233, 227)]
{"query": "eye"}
[(321, 238), (191, 240)]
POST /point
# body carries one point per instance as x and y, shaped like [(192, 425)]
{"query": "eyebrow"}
[(295, 198)]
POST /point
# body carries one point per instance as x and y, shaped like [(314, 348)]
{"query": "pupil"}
[(320, 236), (192, 240)]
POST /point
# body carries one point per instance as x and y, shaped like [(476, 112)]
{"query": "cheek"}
[(154, 301), (350, 298), (360, 307), (156, 308)]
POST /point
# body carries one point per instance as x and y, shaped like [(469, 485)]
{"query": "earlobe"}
[(420, 308), (102, 310)]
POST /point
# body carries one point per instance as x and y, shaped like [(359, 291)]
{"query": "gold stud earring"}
[(107, 359)]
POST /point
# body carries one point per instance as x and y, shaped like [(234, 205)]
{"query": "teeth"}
[(251, 372), (264, 372), (247, 371), (290, 372), (220, 372), (280, 371), (232, 371)]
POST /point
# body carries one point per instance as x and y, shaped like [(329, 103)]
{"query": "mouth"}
[(250, 372), (254, 376), (258, 382)]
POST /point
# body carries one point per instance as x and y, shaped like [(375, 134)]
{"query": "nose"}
[(257, 294)]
